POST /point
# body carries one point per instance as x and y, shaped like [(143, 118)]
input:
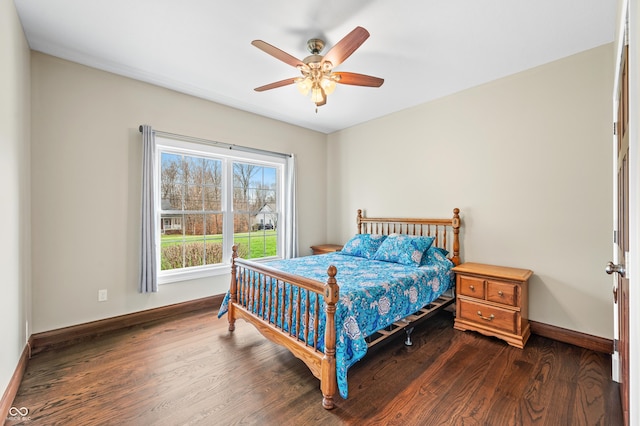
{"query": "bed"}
[(329, 309)]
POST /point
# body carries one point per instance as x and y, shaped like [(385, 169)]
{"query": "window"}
[(211, 198)]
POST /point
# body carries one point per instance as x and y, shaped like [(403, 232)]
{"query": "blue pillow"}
[(404, 249), (433, 254), (363, 245)]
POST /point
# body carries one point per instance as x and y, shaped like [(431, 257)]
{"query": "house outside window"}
[(209, 199)]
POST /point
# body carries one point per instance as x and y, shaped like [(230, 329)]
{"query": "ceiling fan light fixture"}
[(304, 69), (304, 85), (328, 84), (317, 95)]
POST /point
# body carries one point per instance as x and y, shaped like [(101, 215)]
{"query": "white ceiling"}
[(424, 49)]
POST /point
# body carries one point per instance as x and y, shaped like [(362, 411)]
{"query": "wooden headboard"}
[(445, 231)]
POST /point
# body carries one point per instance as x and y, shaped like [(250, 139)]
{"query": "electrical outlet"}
[(102, 295)]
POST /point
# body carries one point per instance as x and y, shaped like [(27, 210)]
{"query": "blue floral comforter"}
[(373, 295)]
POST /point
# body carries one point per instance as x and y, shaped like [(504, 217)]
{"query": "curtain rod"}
[(216, 143)]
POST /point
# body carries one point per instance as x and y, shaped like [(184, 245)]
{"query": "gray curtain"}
[(148, 274), (290, 211)]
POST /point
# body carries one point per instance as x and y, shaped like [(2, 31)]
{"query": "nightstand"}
[(493, 300), (326, 248)]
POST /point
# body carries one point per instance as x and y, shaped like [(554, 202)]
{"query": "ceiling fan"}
[(317, 75)]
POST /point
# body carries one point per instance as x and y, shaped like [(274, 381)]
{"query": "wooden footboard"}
[(257, 294)]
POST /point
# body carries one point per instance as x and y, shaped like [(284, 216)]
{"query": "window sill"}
[(196, 273), (172, 277)]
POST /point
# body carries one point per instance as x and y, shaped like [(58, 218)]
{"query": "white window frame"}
[(165, 144)]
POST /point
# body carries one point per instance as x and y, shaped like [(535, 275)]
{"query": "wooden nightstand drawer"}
[(471, 286), (502, 292), (491, 316)]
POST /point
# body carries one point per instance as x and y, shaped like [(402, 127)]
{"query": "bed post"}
[(359, 221), (328, 380), (455, 224), (233, 289)]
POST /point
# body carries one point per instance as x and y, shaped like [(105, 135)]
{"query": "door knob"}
[(612, 267)]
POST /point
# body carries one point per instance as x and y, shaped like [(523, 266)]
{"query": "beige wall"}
[(15, 262), (526, 158), (86, 159)]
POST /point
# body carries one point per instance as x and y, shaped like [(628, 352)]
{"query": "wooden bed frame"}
[(250, 298)]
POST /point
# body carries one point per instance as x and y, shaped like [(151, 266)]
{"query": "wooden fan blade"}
[(345, 47), (275, 84), (277, 53), (354, 79)]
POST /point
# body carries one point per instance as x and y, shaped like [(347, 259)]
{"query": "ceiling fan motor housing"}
[(315, 45)]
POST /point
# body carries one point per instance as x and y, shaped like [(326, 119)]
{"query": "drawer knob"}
[(500, 293), (472, 287), (489, 318)]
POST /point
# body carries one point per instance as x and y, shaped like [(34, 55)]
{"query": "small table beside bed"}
[(328, 309)]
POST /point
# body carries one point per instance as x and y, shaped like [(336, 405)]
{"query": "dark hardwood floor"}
[(189, 370)]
